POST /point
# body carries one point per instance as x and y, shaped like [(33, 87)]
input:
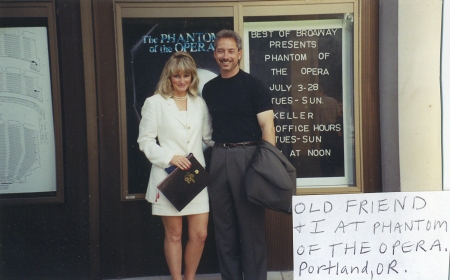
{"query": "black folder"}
[(182, 186)]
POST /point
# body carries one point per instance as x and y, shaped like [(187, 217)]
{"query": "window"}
[(318, 59)]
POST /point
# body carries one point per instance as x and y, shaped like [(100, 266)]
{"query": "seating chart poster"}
[(27, 145)]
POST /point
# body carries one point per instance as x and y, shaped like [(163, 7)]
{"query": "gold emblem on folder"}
[(189, 177)]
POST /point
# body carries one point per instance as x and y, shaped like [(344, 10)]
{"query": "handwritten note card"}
[(372, 236)]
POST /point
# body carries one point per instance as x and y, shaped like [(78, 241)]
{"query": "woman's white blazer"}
[(164, 132)]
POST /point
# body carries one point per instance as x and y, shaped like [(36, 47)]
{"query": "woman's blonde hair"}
[(179, 62)]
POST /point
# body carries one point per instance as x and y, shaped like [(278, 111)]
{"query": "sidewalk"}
[(272, 275)]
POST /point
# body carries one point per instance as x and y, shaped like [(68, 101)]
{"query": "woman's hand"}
[(181, 162)]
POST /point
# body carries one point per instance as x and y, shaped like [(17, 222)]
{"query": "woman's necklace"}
[(179, 97)]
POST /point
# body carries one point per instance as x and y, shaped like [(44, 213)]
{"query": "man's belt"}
[(240, 144)]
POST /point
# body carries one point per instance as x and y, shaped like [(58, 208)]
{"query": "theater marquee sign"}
[(307, 66)]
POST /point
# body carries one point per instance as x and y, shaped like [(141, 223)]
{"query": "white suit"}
[(177, 133)]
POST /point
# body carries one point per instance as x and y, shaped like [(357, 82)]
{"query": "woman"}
[(174, 122)]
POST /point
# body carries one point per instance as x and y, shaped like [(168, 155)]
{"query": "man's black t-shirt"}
[(233, 104)]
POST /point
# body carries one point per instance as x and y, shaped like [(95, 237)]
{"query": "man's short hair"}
[(226, 33)]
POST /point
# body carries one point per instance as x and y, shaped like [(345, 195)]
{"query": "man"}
[(241, 110)]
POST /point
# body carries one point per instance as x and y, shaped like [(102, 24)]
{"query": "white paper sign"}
[(372, 236)]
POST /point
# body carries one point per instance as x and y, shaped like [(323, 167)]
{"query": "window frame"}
[(365, 72)]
